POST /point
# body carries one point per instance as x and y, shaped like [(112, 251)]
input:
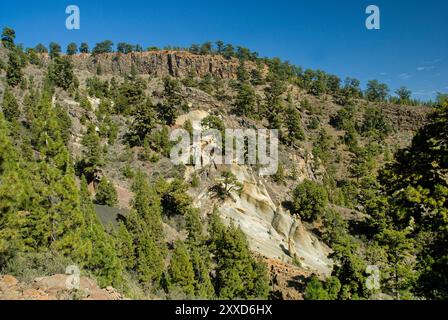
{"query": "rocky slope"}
[(54, 288), (290, 247), (272, 232)]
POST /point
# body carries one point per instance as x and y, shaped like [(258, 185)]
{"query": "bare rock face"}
[(54, 288), (288, 282), (160, 63), (272, 232), (410, 118)]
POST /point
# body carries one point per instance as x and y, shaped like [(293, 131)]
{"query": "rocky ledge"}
[(54, 288)]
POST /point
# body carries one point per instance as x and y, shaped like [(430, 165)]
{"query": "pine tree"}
[(12, 193), (274, 103), (322, 146), (404, 95), (279, 176), (310, 200), (169, 109), (241, 73), (315, 290), (318, 290), (124, 244), (93, 158), (236, 275), (293, 122), (181, 269), (145, 225), (160, 141), (239, 275), (8, 37), (72, 48), (416, 190), (150, 259), (245, 101), (53, 218), (175, 198), (106, 194), (14, 73), (257, 76), (206, 84), (63, 209), (45, 124), (130, 95), (25, 218), (10, 106), (134, 73), (376, 91), (375, 124), (60, 72), (55, 50), (216, 229), (144, 122), (102, 258), (194, 227), (40, 48), (199, 254), (227, 184), (84, 48), (99, 69), (400, 250), (201, 262)]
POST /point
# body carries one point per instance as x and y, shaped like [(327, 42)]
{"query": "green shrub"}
[(309, 200), (106, 194)]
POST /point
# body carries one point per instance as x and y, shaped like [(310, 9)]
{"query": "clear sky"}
[(411, 48)]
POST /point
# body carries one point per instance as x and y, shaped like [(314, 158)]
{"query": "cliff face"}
[(271, 231), (160, 63)]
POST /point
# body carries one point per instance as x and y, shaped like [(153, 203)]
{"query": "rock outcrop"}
[(271, 231), (159, 63), (54, 288), (406, 118)]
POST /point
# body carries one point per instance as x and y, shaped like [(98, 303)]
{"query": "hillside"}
[(84, 129)]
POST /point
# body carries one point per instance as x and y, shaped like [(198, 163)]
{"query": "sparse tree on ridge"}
[(84, 48), (103, 47), (8, 37), (40, 48), (124, 48), (55, 50), (376, 91), (72, 48), (404, 95)]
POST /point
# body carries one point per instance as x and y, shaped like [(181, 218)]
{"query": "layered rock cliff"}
[(272, 232), (160, 63)]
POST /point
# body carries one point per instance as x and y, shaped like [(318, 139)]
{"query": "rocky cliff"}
[(272, 232), (159, 63)]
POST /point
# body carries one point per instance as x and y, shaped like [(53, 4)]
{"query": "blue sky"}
[(411, 48)]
